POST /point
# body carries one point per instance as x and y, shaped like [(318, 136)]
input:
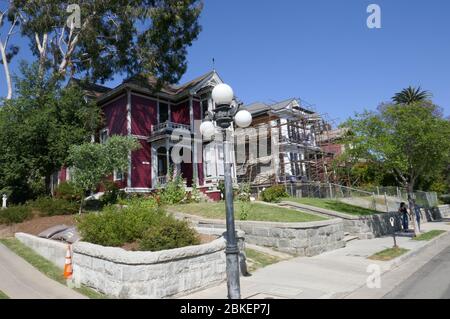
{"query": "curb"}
[(437, 240)]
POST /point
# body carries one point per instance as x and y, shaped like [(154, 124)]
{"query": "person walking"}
[(403, 211)]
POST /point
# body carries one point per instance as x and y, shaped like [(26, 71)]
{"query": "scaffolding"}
[(299, 130)]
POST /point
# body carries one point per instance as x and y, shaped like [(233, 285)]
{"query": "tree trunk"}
[(7, 72), (80, 211), (412, 205)]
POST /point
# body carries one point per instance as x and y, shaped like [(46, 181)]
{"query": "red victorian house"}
[(135, 108)]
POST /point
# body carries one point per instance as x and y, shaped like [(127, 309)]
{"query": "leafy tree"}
[(409, 141), (411, 95), (112, 36), (36, 130), (92, 162)]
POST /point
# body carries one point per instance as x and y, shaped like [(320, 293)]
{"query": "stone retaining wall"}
[(365, 227), (53, 251), (368, 227), (130, 274), (302, 239), (444, 211)]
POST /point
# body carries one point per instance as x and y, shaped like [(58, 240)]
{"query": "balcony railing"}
[(168, 127)]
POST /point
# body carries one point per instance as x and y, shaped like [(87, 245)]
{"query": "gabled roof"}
[(91, 90), (259, 108), (148, 83)]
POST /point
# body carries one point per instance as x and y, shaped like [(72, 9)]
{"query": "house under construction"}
[(286, 143)]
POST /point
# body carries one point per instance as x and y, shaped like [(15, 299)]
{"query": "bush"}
[(245, 208), (243, 193), (445, 199), (67, 191), (116, 226), (15, 214), (112, 192), (173, 192), (169, 233), (273, 194), (53, 206)]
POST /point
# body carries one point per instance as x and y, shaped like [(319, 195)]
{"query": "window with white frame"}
[(118, 175), (104, 134)]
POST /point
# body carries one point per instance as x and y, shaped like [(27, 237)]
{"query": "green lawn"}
[(334, 205), (45, 266), (258, 260), (258, 212), (3, 295), (388, 254), (429, 235)]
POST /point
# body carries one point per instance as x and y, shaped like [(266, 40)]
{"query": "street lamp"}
[(223, 116)]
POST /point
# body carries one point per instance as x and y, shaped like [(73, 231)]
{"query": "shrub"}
[(112, 192), (67, 191), (244, 209), (15, 214), (169, 233), (273, 194), (445, 199), (53, 206), (116, 226), (243, 193), (173, 192)]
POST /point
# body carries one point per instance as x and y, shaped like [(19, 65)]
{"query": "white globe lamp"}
[(222, 94), (243, 118), (207, 129)]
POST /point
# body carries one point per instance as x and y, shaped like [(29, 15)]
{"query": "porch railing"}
[(167, 127)]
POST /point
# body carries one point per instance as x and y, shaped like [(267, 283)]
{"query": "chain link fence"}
[(383, 199)]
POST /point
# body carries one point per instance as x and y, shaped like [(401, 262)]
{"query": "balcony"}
[(162, 130)]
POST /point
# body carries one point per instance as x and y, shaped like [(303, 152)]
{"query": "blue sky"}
[(323, 52)]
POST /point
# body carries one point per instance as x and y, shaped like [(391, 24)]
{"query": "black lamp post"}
[(224, 114)]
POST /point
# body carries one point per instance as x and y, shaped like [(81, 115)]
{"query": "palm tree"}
[(411, 95)]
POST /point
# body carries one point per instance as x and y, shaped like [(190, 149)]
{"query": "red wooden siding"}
[(180, 113), (141, 173), (197, 110), (63, 175), (143, 115), (201, 178), (116, 116)]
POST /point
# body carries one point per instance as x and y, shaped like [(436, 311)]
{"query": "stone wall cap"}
[(122, 256)]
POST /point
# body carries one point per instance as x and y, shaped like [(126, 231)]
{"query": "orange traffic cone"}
[(68, 264)]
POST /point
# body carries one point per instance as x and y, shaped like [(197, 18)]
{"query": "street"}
[(432, 281)]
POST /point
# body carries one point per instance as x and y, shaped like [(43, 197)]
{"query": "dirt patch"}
[(204, 239), (36, 225)]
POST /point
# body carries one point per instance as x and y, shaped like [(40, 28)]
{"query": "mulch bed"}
[(36, 225)]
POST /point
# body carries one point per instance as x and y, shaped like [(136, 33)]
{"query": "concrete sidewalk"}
[(334, 274), (20, 280)]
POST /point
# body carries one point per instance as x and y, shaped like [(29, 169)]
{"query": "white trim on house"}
[(129, 134)]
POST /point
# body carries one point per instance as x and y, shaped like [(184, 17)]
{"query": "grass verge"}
[(429, 235), (257, 212), (3, 295), (46, 267), (257, 259), (334, 205), (388, 254)]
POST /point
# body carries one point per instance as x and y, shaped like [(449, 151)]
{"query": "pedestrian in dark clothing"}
[(404, 215)]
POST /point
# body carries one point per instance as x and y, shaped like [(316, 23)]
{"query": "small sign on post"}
[(392, 220), (4, 201)]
